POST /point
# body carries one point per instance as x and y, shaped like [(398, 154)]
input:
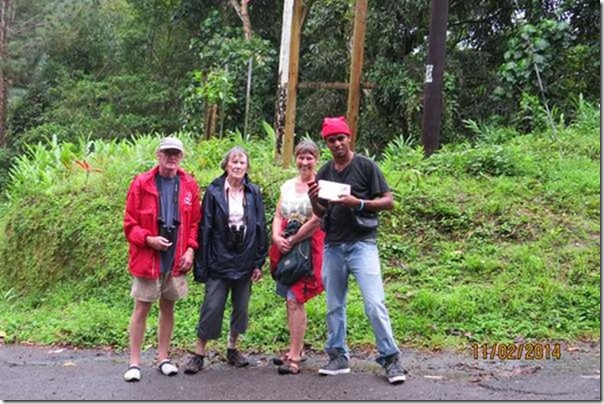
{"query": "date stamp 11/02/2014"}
[(527, 351)]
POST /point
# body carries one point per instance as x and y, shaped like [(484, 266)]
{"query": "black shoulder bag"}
[(365, 221), (297, 263)]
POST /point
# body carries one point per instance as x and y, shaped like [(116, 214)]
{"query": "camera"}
[(168, 232), (235, 237)]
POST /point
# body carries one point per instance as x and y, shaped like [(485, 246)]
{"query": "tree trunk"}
[(211, 114), (242, 12), (5, 22)]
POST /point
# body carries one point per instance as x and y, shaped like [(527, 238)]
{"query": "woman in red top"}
[(294, 204)]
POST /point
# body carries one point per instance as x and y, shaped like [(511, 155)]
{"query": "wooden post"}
[(281, 98), (356, 69), (292, 82), (433, 83)]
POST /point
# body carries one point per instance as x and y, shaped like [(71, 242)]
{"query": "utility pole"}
[(433, 83)]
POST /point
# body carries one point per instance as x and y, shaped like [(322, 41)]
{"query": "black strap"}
[(176, 216)]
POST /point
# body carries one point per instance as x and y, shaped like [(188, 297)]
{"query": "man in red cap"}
[(350, 225)]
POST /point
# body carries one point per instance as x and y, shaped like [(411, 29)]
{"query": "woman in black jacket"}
[(232, 249)]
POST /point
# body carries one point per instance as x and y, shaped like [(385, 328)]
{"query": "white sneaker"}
[(133, 374)]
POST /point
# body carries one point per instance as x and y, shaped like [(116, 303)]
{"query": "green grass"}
[(487, 243)]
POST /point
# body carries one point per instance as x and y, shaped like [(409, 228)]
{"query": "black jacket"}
[(213, 257)]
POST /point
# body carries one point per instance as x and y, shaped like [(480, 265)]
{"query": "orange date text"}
[(528, 351)]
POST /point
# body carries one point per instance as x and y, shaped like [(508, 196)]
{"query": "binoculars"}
[(235, 237)]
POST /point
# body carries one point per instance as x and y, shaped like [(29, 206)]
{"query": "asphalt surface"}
[(57, 373)]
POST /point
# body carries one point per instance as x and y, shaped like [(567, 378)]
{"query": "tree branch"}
[(242, 12)]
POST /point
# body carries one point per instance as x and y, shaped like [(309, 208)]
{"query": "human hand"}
[(158, 243), (347, 201), (186, 261), (283, 244), (256, 275), (313, 191)]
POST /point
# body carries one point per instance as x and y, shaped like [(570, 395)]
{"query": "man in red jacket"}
[(161, 224)]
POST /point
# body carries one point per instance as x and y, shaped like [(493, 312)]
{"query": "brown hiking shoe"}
[(194, 365), (235, 358)]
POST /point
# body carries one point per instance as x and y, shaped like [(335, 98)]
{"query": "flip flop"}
[(167, 368), (133, 374)]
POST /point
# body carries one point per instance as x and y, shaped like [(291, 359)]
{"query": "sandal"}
[(167, 368), (280, 361), (133, 374), (291, 367)]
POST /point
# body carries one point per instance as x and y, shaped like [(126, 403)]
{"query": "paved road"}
[(54, 373)]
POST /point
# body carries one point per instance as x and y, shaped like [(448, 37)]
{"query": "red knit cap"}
[(335, 126)]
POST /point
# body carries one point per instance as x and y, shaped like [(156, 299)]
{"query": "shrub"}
[(487, 242)]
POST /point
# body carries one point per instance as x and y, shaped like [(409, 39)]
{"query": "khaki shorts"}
[(167, 287)]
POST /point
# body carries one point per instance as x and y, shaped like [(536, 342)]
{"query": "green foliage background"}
[(114, 68), (490, 240)]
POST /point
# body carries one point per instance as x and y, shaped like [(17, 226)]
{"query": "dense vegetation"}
[(490, 240), (494, 237), (118, 68)]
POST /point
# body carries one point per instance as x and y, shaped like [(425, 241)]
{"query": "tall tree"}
[(242, 12)]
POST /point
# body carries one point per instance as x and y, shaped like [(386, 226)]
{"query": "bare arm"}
[(383, 202), (283, 244), (277, 221), (307, 230)]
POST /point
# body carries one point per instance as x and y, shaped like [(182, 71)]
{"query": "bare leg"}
[(233, 336), (166, 325), (200, 347), (296, 319), (137, 330)]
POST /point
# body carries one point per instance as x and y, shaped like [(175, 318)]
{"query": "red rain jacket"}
[(140, 221)]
